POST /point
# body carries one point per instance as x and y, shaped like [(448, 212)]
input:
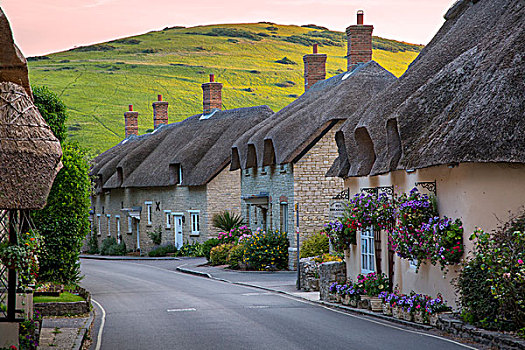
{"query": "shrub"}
[(193, 249), (492, 283), (315, 245), (266, 250), (163, 250), (93, 243), (328, 257), (285, 60), (208, 245), (219, 254), (156, 235), (226, 221), (373, 283), (110, 246), (235, 256)]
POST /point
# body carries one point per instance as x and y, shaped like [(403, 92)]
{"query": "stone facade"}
[(312, 190), (309, 273), (223, 193), (118, 206)]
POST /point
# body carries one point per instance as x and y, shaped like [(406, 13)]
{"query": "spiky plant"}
[(225, 221)]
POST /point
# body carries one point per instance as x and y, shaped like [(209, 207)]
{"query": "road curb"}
[(127, 258), (319, 302), (81, 336)]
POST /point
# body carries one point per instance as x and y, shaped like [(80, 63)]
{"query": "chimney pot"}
[(130, 108), (360, 17), (212, 78), (159, 97), (315, 48)]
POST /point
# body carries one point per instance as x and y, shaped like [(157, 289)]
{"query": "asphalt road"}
[(151, 307)]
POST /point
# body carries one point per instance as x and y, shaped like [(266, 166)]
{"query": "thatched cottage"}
[(174, 178), (454, 121), (284, 159), (29, 161)]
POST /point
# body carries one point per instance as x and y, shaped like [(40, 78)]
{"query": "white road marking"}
[(182, 310), (99, 336), (257, 307), (256, 294)]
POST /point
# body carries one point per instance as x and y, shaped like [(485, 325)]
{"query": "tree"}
[(52, 109), (63, 222)]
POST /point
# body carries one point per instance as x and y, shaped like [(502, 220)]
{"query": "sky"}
[(45, 26)]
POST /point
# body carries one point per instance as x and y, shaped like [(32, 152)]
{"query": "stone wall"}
[(309, 273), (312, 190), (223, 193), (330, 272), (72, 308)]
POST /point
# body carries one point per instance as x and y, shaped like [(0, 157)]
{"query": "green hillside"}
[(98, 82)]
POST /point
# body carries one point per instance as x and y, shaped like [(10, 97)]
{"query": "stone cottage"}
[(454, 123), (284, 159), (173, 179)]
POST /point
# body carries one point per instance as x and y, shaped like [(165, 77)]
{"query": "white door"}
[(177, 226)]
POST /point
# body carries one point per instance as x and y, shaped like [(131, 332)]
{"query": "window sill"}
[(195, 234), (129, 233)]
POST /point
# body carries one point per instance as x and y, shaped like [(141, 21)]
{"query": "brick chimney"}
[(359, 42), (131, 122), (212, 96), (314, 68), (160, 112)]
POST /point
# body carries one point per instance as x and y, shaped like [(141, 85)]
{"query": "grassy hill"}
[(98, 82)]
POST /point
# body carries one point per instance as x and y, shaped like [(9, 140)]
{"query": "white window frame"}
[(108, 216), (130, 224), (117, 224), (284, 224), (149, 212), (167, 213), (194, 224), (98, 225), (412, 263), (180, 174), (367, 250)]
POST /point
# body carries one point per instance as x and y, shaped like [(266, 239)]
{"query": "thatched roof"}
[(289, 133), (13, 65), (29, 152), (461, 100), (200, 146)]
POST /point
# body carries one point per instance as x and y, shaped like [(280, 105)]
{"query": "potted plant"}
[(373, 284), (14, 256), (435, 307)]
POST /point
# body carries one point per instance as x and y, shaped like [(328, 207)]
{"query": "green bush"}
[(208, 245), (266, 250), (219, 254), (156, 235), (163, 250), (315, 245), (235, 256), (110, 246), (193, 249), (93, 243)]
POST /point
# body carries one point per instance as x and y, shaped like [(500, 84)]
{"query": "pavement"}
[(64, 333)]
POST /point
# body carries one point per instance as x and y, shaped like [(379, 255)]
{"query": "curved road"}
[(149, 307)]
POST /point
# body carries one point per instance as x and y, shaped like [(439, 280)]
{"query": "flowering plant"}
[(266, 250), (447, 236), (23, 257), (234, 234), (372, 284), (335, 230)]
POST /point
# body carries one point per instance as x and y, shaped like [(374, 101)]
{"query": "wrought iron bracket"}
[(389, 190), (430, 186), (345, 194), (370, 190)]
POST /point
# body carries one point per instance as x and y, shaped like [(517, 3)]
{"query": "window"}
[(109, 224), (168, 218), (130, 224), (148, 205), (248, 214), (117, 224), (195, 221), (284, 217), (175, 174), (98, 224), (412, 263), (367, 250)]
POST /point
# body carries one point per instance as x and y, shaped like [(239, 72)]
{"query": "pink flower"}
[(520, 261), (506, 275)]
